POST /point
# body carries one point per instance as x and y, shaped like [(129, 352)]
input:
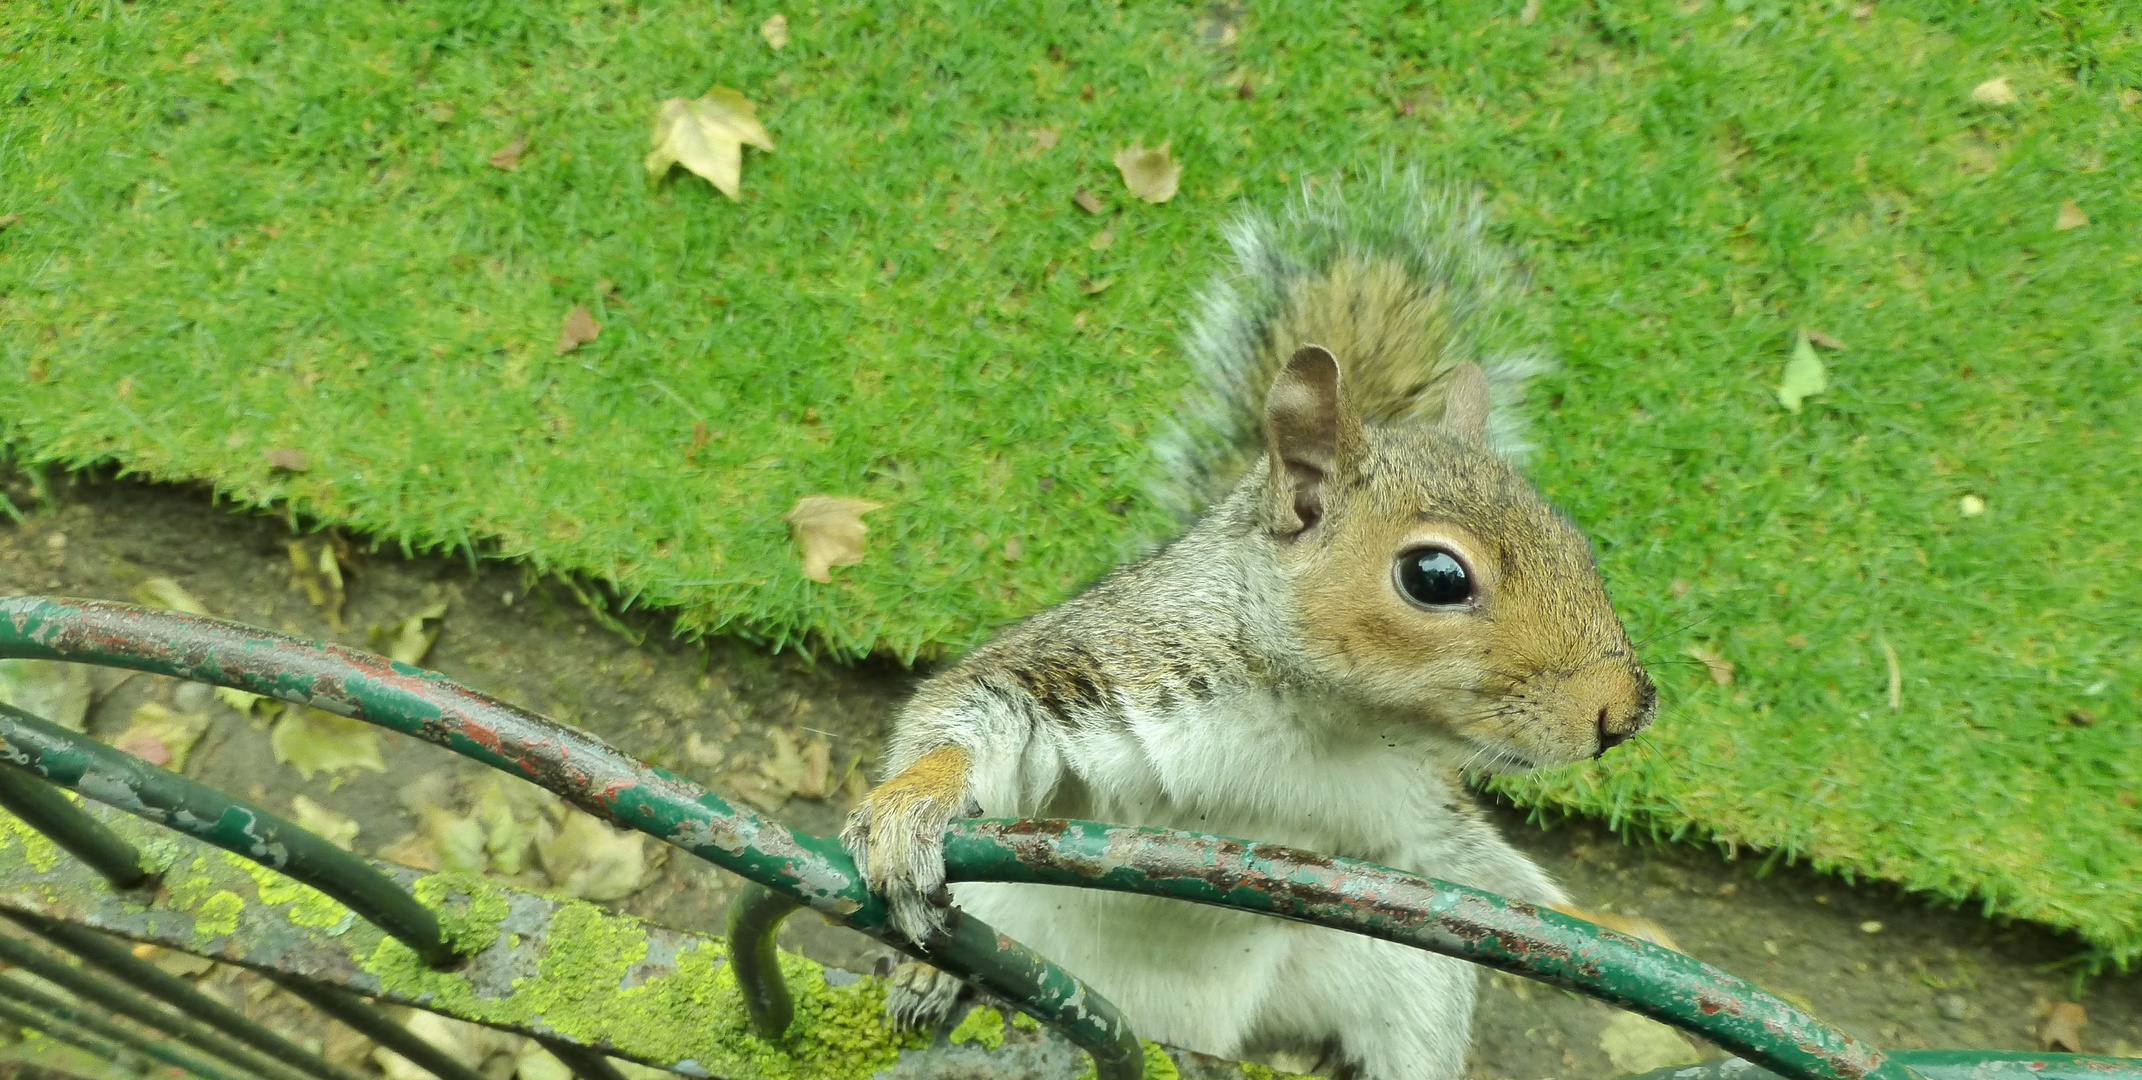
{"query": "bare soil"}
[(1890, 968)]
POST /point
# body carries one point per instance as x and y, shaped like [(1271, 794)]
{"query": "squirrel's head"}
[(1434, 585)]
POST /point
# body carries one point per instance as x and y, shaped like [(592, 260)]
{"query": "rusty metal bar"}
[(378, 1027), (574, 764), (95, 948), (50, 752), (95, 991), (1438, 916), (46, 810), (38, 1002)]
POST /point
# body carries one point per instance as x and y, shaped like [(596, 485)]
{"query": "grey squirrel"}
[(1377, 601)]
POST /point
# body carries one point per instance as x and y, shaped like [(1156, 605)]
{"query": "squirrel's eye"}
[(1434, 577)]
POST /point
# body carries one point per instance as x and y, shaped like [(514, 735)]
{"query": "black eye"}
[(1434, 577)]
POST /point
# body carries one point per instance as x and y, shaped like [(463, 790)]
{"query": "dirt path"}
[(1888, 968)]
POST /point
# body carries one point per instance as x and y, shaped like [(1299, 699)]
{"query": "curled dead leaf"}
[(1087, 201), (707, 135), (508, 157), (409, 640), (579, 329), (1151, 173), (830, 530), (1721, 669), (1817, 337), (1095, 285), (775, 31)]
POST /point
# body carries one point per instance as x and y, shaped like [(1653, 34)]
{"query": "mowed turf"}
[(272, 226)]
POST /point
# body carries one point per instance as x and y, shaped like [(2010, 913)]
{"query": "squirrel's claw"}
[(920, 996), (899, 847)]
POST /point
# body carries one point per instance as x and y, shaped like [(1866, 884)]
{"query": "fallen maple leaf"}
[(1721, 668), (1150, 173), (2062, 1029), (830, 530), (1995, 91), (775, 31), (707, 135), (286, 457), (2071, 216), (579, 329), (508, 157)]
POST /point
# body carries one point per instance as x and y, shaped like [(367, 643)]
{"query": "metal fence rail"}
[(796, 869)]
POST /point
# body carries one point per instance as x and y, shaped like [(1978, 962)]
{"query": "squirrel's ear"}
[(1312, 433), (1465, 403)]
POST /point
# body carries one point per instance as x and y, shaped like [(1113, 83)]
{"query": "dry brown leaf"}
[(1103, 240), (286, 457), (1087, 201), (1530, 13), (312, 741), (1151, 173), (830, 530), (775, 31), (337, 829), (707, 135), (1826, 341), (800, 770), (2071, 216), (174, 962), (161, 735), (595, 861), (16, 219), (1721, 669), (703, 752), (508, 157), (1995, 91), (1095, 285), (2062, 1029), (1044, 139), (579, 329), (1014, 549)]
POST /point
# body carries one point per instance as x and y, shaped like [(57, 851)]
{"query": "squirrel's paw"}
[(920, 997), (897, 840)]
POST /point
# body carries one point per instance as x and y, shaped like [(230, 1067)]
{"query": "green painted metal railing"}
[(796, 869)]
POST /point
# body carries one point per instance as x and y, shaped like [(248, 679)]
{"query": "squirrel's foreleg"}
[(897, 838)]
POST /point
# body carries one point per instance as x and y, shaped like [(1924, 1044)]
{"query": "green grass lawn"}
[(255, 226)]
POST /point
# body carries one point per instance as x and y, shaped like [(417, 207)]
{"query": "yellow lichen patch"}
[(218, 915), (983, 1025), (693, 1013), (309, 907), (41, 853)]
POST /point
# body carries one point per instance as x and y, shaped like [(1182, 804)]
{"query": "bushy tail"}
[(1396, 277)]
